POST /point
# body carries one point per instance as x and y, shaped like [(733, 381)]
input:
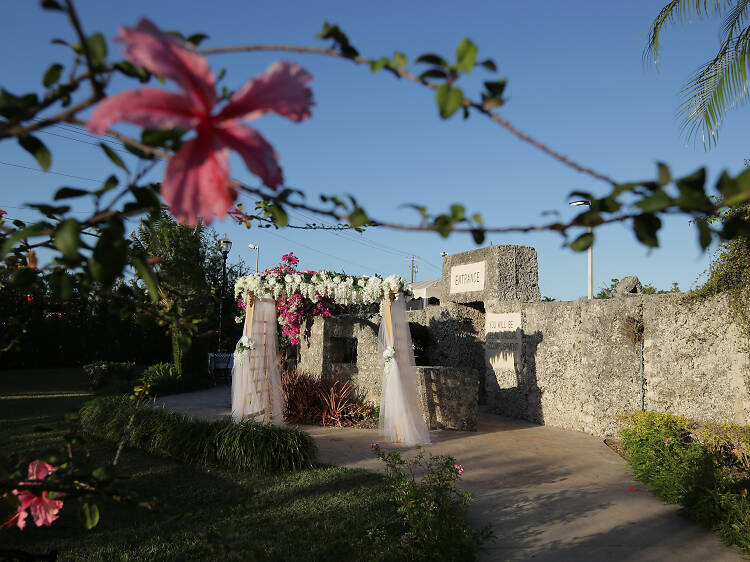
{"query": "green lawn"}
[(204, 514)]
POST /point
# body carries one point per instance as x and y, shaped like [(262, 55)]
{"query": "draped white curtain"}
[(256, 381), (401, 419)]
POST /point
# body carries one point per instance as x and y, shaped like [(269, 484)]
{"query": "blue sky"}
[(576, 81)]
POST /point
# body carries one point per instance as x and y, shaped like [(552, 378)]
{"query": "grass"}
[(323, 513)]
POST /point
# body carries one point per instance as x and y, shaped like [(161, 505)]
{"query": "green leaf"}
[(197, 38), (726, 185), (646, 226), (477, 218), (69, 192), (376, 65), (583, 242), (36, 148), (478, 235), (67, 239), (430, 58), (105, 473), (50, 211), (399, 59), (133, 71), (466, 55), (433, 73), (704, 234), (111, 183), (52, 75), (495, 88), (58, 41), (22, 234), (339, 38), (449, 100), (21, 107), (664, 174), (443, 225), (358, 217), (656, 202), (489, 64), (692, 194), (278, 214), (89, 515), (112, 155), (52, 5), (458, 212), (97, 45), (146, 273)]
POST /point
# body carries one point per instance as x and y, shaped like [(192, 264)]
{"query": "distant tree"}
[(607, 292)]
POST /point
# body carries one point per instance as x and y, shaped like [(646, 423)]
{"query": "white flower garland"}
[(343, 289), (246, 343)]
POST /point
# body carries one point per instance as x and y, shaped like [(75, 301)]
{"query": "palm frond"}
[(717, 87), (735, 20), (682, 11)]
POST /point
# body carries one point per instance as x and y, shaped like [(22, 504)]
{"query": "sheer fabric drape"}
[(401, 419), (256, 381)]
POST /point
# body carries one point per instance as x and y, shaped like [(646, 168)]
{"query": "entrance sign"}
[(468, 277)]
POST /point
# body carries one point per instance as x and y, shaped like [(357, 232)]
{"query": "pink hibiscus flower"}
[(197, 181), (43, 509)]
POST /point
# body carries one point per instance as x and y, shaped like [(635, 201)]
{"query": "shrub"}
[(246, 446), (322, 400), (702, 467), (434, 525), (163, 379), (100, 373)]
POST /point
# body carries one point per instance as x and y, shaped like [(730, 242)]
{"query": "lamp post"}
[(257, 255), (225, 244), (579, 203)]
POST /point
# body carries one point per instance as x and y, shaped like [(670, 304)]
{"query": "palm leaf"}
[(682, 11), (735, 20), (718, 86)]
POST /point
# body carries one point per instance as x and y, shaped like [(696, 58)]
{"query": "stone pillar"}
[(506, 273)]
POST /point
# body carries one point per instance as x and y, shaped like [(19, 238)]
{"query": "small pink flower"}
[(43, 509), (290, 258), (666, 441), (404, 540), (460, 468), (241, 304), (197, 182), (374, 445)]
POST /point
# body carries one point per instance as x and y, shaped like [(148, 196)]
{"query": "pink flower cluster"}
[(292, 310), (290, 258), (241, 304), (43, 509), (460, 468)]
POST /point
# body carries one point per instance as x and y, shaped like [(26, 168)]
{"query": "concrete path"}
[(549, 494)]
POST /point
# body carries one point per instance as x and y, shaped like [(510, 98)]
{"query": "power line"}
[(366, 267), (81, 141), (49, 172)]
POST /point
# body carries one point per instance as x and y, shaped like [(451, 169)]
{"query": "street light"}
[(257, 255), (225, 244), (587, 203)]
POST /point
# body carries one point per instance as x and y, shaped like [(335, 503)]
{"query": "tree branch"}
[(95, 85), (401, 73)]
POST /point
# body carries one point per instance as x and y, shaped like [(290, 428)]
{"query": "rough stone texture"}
[(316, 353), (629, 285), (577, 367), (511, 274), (449, 397), (694, 361)]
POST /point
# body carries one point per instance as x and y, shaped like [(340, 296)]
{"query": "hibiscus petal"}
[(44, 510), (280, 89), (197, 183), (148, 107), (259, 156), (39, 470), (170, 57)]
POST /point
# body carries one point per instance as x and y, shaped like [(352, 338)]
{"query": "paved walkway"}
[(549, 494)]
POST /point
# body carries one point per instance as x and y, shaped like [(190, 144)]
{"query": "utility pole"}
[(413, 266)]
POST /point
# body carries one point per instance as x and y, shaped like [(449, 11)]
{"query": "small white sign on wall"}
[(502, 348), (468, 277)]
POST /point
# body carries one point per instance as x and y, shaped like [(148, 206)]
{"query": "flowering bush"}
[(434, 526), (43, 507)]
